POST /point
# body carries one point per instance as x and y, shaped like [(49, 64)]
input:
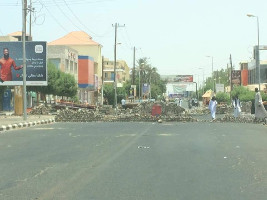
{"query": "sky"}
[(176, 35)]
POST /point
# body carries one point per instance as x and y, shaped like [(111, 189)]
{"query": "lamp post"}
[(202, 79), (258, 49), (212, 72)]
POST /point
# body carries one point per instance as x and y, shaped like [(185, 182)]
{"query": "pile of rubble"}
[(140, 113), (246, 106), (40, 110)]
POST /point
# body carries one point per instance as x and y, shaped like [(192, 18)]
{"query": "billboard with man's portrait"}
[(11, 61)]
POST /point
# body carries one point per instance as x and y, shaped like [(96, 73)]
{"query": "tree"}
[(59, 83), (109, 93), (222, 97), (53, 75), (148, 74), (66, 85)]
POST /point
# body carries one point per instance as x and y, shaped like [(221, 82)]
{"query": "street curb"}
[(25, 124)]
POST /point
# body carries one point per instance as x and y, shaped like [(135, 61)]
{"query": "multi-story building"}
[(253, 71), (64, 58), (122, 71), (85, 46)]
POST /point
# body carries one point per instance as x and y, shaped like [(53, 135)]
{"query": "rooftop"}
[(75, 38)]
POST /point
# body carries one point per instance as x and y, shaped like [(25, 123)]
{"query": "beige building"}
[(85, 46), (64, 58), (122, 71)]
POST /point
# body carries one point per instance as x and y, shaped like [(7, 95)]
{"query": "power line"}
[(53, 16), (77, 18), (50, 3), (73, 23)]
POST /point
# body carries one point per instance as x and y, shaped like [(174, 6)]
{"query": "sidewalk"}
[(9, 121)]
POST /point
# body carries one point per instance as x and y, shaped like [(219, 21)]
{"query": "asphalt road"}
[(134, 161)]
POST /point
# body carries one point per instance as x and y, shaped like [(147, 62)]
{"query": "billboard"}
[(145, 89), (236, 77), (11, 61), (183, 78), (180, 89), (219, 87)]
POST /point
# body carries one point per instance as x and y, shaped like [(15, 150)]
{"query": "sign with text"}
[(145, 89), (183, 78), (236, 77), (11, 61), (219, 87)]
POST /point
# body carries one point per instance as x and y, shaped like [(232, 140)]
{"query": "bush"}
[(243, 93), (222, 97)]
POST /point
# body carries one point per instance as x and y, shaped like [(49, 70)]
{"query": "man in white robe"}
[(237, 107), (212, 107), (260, 112)]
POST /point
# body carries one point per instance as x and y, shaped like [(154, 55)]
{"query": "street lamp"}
[(258, 49), (211, 72), (202, 80)]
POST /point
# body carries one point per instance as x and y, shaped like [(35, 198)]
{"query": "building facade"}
[(85, 46), (253, 70), (122, 72), (64, 58)]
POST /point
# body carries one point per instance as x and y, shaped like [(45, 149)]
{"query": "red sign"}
[(183, 78)]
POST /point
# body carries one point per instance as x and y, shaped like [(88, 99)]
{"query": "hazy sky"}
[(176, 35)]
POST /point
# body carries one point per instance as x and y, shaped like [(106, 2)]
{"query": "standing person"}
[(180, 102), (237, 106), (212, 107), (260, 112), (6, 63), (123, 102)]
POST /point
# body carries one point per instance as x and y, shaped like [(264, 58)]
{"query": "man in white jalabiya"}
[(237, 106), (260, 112), (212, 107)]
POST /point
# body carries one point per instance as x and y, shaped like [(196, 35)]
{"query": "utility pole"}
[(231, 85), (133, 75), (102, 88), (115, 62), (30, 26), (24, 14)]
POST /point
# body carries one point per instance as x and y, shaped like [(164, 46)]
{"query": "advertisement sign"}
[(219, 87), (183, 78), (236, 77), (11, 61), (145, 89)]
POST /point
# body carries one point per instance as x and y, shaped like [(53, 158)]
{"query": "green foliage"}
[(264, 96), (66, 85), (155, 91), (148, 74), (243, 93), (121, 94), (219, 76), (222, 97), (59, 83), (109, 93)]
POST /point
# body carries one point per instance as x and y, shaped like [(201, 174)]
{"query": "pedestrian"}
[(212, 107), (123, 102), (260, 112), (180, 102), (237, 106)]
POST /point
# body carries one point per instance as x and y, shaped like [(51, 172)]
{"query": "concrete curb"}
[(25, 124)]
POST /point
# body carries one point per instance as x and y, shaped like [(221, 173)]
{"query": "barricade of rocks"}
[(223, 109), (85, 115), (246, 106), (40, 110), (240, 119)]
